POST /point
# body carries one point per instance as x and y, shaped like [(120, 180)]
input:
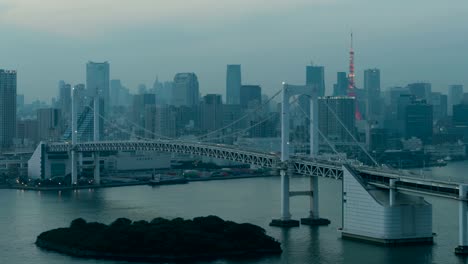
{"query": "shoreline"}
[(112, 185), (89, 254)]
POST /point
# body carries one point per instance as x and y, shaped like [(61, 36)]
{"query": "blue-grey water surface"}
[(25, 214)]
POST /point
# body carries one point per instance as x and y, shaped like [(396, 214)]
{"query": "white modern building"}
[(383, 216)]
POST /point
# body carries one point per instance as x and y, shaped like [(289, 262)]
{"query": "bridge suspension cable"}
[(318, 130), (242, 117), (351, 135)]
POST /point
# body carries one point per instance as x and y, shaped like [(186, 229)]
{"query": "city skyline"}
[(44, 48)]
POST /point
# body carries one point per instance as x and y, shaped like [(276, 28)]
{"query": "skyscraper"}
[(418, 120), (372, 89), (97, 81), (250, 95), (7, 108), (341, 86), (421, 90), (186, 91), (331, 108), (233, 84), (315, 76), (455, 96), (211, 112), (64, 100), (49, 124)]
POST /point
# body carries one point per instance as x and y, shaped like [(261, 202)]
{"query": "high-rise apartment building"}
[(186, 90), (7, 108), (233, 84), (372, 90), (455, 96)]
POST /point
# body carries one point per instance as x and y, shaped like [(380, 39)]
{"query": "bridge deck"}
[(298, 164)]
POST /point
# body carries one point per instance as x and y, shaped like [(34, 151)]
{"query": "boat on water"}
[(167, 181)]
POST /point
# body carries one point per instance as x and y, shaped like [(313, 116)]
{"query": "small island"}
[(160, 240)]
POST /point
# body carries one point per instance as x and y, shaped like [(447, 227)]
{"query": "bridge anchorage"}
[(313, 218)]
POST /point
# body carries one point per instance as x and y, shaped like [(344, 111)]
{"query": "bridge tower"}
[(96, 130), (462, 248), (286, 168), (74, 131)]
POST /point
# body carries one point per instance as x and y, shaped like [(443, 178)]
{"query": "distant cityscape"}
[(403, 127)]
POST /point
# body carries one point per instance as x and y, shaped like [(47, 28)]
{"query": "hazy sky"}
[(409, 40)]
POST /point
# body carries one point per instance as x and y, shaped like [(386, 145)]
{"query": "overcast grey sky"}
[(409, 40)]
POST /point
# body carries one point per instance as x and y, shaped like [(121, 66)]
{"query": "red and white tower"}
[(351, 82)]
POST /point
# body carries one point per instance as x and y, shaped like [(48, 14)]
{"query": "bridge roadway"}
[(301, 165)]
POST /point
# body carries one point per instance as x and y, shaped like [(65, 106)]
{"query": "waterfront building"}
[(7, 108)]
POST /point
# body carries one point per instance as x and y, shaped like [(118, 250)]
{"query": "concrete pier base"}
[(461, 250), (284, 223), (315, 221), (389, 242)]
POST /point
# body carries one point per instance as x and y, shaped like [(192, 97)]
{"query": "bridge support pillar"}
[(97, 169), (392, 191), (74, 169), (285, 220), (314, 219), (462, 248)]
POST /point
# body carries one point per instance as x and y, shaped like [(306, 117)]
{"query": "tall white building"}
[(185, 91), (7, 108), (455, 97), (233, 84)]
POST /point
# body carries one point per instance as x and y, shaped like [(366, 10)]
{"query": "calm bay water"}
[(25, 214)]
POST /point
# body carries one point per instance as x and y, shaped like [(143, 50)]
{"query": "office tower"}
[(49, 122), (372, 90), (455, 96), (250, 96), (211, 113), (439, 105), (341, 86), (185, 91), (97, 82), (421, 90), (418, 120), (64, 101), (336, 115), (315, 76), (161, 122), (7, 108), (233, 84)]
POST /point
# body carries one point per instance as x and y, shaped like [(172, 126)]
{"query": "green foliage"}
[(200, 236)]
